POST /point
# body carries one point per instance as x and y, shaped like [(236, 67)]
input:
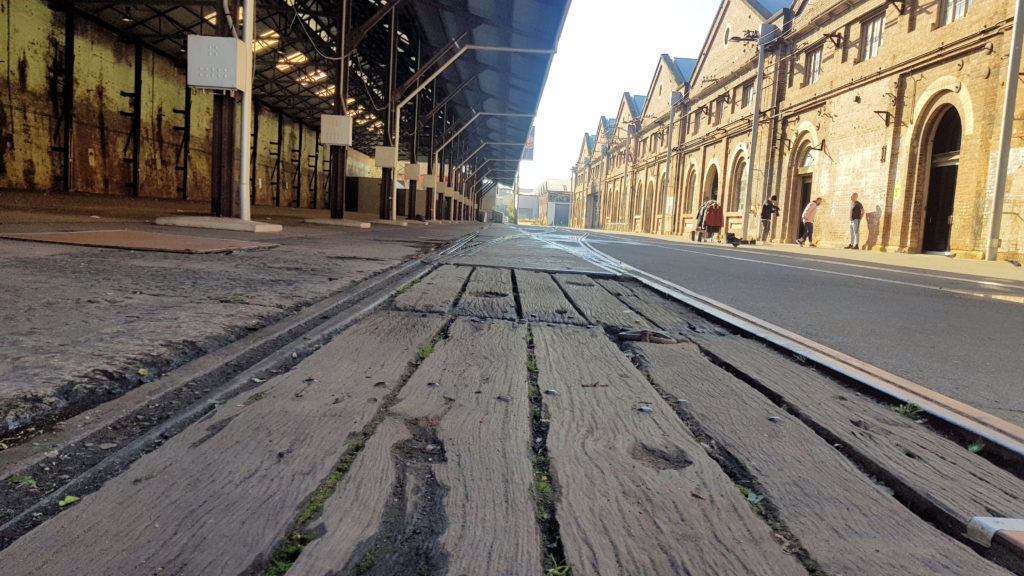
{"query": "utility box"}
[(217, 63), (335, 130)]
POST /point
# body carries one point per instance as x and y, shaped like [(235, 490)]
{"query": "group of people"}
[(771, 208), (710, 219)]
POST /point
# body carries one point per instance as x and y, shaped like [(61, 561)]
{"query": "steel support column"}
[(339, 154), (68, 104), (222, 153), (392, 123)]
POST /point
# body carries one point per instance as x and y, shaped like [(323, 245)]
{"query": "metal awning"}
[(296, 62)]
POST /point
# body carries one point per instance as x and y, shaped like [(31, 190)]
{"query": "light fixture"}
[(128, 15)]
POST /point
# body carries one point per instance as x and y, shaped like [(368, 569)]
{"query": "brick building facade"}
[(899, 102)]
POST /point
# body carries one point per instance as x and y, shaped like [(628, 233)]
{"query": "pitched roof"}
[(590, 140), (770, 7), (636, 103), (685, 67)]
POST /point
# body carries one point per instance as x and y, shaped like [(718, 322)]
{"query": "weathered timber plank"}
[(955, 480), (846, 522), (637, 493), (435, 292), (668, 315), (489, 295), (216, 497), (597, 305), (543, 301), (355, 511), (469, 458)]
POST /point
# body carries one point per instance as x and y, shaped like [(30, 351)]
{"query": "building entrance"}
[(945, 162)]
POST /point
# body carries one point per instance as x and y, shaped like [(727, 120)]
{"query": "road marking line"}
[(1004, 297)]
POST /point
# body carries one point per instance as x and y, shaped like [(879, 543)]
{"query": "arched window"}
[(809, 158), (739, 184), (691, 191)]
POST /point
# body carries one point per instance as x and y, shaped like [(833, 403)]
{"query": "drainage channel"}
[(105, 442)]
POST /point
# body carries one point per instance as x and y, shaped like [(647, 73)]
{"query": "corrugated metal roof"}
[(303, 87)]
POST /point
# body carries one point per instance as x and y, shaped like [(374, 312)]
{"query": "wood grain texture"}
[(435, 292), (489, 508), (668, 315), (543, 301), (216, 497), (845, 521), (637, 493), (354, 511), (599, 306), (957, 481), (489, 295)]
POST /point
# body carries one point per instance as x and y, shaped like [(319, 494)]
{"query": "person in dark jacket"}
[(769, 209), (856, 213)]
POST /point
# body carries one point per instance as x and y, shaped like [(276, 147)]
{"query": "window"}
[(871, 34), (717, 118), (747, 97), (812, 66), (950, 10)]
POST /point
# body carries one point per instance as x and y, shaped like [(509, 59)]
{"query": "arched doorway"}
[(945, 163), (803, 187), (711, 184)]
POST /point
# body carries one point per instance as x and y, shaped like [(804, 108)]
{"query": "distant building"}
[(529, 205), (898, 102), (555, 200)]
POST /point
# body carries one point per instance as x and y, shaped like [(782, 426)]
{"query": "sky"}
[(607, 47)]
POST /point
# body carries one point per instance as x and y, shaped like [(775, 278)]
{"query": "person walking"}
[(808, 219), (856, 213), (769, 209)]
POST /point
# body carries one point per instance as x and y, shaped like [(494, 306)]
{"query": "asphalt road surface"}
[(940, 330)]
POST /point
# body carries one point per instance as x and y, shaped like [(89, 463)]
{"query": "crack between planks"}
[(745, 481), (572, 302), (917, 503), (515, 294), (545, 485), (288, 550)]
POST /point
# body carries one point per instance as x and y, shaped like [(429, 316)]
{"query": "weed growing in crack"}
[(545, 488), (910, 410), (557, 568), (426, 351), (531, 363)]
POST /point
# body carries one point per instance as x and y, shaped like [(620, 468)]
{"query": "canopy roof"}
[(297, 64)]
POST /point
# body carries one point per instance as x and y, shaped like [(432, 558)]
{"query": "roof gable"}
[(667, 79), (720, 56)]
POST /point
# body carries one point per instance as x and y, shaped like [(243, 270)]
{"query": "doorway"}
[(945, 164), (805, 186)]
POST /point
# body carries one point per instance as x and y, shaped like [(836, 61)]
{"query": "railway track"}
[(530, 413)]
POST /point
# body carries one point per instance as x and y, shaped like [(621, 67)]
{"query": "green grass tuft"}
[(910, 410)]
